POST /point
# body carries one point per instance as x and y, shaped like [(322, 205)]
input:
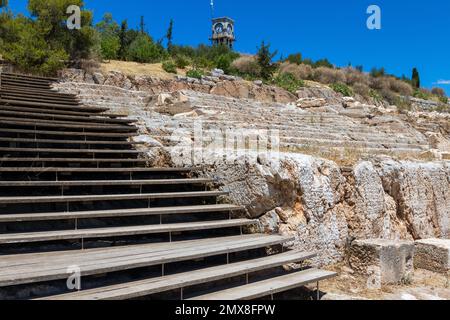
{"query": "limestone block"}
[(433, 255), (311, 102), (383, 261)]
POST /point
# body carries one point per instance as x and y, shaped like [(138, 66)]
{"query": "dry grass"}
[(136, 69), (355, 285)]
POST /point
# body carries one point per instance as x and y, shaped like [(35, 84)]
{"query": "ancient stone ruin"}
[(312, 187)]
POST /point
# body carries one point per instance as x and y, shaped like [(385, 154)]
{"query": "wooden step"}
[(52, 105), (82, 142), (78, 151), (110, 197), (85, 129), (69, 133), (103, 183), (40, 99), (96, 233), (61, 112), (162, 211), (40, 92), (49, 116), (43, 93), (27, 83), (101, 170), (70, 161), (40, 267), (270, 286), (74, 124), (25, 76), (142, 288)]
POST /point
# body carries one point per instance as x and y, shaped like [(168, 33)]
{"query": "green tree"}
[(295, 58), (26, 48), (144, 50), (169, 35), (415, 78), (49, 20), (264, 59), (109, 37)]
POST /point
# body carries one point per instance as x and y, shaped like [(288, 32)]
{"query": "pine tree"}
[(415, 78), (264, 58), (169, 35), (123, 40), (142, 25)]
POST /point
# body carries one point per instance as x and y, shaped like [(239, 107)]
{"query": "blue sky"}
[(414, 33)]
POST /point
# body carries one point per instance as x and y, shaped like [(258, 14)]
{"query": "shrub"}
[(288, 82), (181, 62), (379, 83), (443, 99), (224, 62), (246, 65), (195, 73), (328, 76), (400, 86), (301, 71), (361, 89), (438, 92), (342, 88), (323, 63), (375, 95), (422, 94), (295, 58), (354, 76), (169, 66), (143, 50)]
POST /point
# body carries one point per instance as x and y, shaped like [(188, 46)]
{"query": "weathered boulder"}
[(382, 261), (293, 194), (421, 191), (433, 255), (311, 102)]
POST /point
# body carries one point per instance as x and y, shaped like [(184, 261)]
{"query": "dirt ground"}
[(134, 69), (425, 285)]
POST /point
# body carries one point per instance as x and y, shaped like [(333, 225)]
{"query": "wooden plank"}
[(111, 197), (142, 288), (41, 183), (83, 142), (32, 115), (41, 99), (60, 126), (73, 160), (103, 170), (118, 213), (32, 268), (52, 105), (79, 124), (80, 150), (69, 133), (62, 112), (17, 75), (96, 233), (270, 286), (42, 92), (26, 93)]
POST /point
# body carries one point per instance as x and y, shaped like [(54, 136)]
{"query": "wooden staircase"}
[(75, 193)]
